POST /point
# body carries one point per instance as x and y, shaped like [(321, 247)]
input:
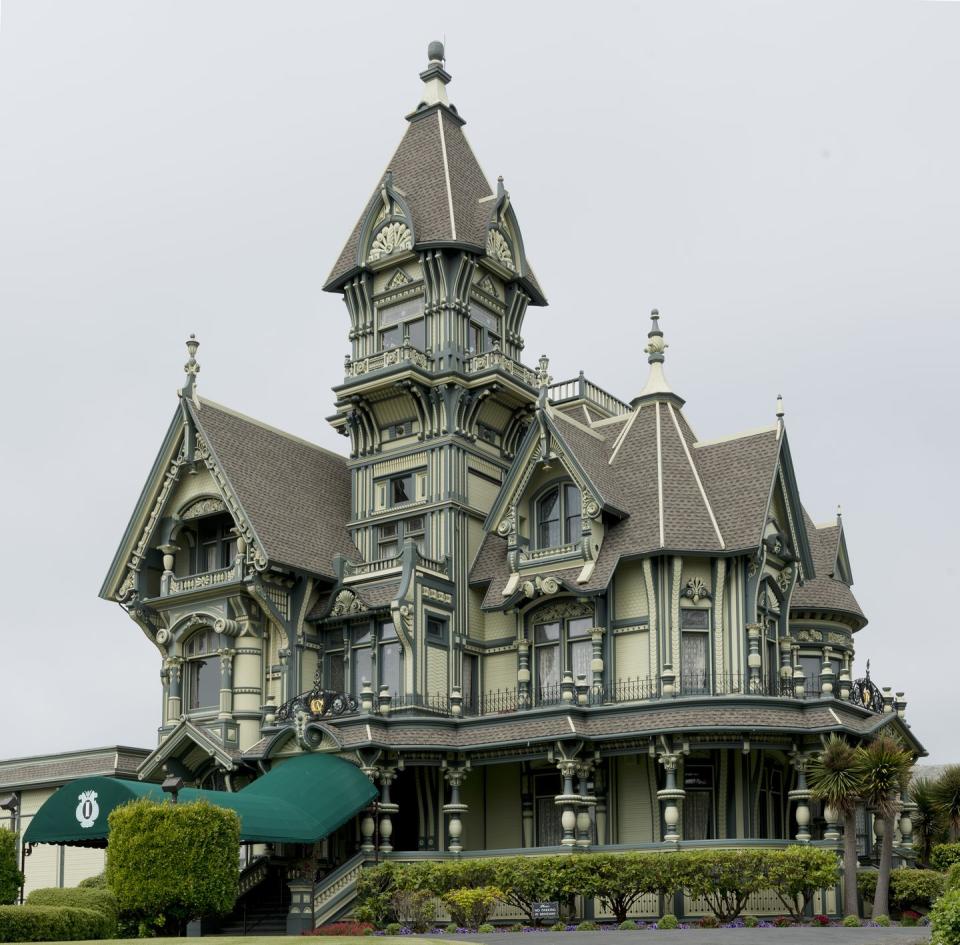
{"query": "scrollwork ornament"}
[(392, 238), (591, 508), (697, 590), (499, 249)]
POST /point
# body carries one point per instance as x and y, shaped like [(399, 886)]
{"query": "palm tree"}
[(833, 780), (927, 819), (883, 767), (946, 798)]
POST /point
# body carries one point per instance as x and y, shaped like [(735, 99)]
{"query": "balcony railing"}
[(579, 388), (402, 354), (496, 360), (196, 582)]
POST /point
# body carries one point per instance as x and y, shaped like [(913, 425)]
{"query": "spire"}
[(779, 413), (191, 369), (656, 387), (435, 77)]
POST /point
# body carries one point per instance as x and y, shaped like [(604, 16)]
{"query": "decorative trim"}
[(696, 590), (392, 238), (498, 248), (207, 505)]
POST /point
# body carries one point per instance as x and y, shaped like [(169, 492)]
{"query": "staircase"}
[(334, 894), (263, 902)]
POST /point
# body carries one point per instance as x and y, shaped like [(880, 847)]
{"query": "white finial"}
[(839, 512), (435, 77), (191, 369), (779, 406), (655, 348)]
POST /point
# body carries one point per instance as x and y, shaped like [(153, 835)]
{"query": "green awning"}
[(301, 800)]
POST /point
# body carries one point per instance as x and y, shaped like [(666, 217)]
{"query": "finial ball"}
[(435, 51)]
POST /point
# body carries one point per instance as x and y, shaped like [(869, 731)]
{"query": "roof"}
[(296, 495), (825, 591), (441, 182), (45, 770)]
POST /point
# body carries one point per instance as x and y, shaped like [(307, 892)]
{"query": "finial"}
[(839, 512), (191, 369), (543, 372), (435, 77), (779, 406), (655, 344)]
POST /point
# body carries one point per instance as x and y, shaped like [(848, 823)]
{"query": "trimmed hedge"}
[(100, 900), (945, 919), (909, 888), (94, 882), (944, 855), (725, 878), (31, 923), (10, 875)]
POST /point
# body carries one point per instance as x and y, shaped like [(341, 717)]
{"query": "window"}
[(436, 628), (390, 536), (202, 675), (401, 489), (812, 666), (470, 683), (561, 646), (698, 803), (389, 657), (484, 330), (400, 322), (388, 662), (558, 516), (333, 673), (546, 787), (694, 650), (361, 658), (215, 546)]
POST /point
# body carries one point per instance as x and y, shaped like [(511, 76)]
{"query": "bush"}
[(709, 922), (343, 928), (783, 922), (796, 873), (99, 900), (945, 919), (414, 908), (909, 888), (588, 926), (558, 927), (486, 928), (452, 928), (944, 855), (628, 925), (94, 882), (750, 921), (851, 922), (821, 920), (618, 880), (882, 920), (10, 876), (953, 878), (53, 924), (392, 928), (470, 908), (516, 927), (171, 863), (668, 922), (725, 878)]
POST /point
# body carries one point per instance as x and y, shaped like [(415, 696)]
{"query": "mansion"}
[(537, 617)]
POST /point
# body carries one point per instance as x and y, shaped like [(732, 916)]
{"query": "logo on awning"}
[(88, 810)]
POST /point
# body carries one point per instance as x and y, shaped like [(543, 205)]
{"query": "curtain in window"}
[(696, 815), (571, 511), (693, 662), (581, 655), (468, 683), (204, 683), (548, 520), (362, 668), (335, 680), (390, 667), (548, 671)]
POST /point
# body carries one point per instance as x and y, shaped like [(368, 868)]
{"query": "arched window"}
[(202, 674), (558, 516)]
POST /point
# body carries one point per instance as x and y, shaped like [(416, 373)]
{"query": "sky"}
[(779, 179)]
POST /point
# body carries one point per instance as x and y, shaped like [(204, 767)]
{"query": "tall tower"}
[(435, 398)]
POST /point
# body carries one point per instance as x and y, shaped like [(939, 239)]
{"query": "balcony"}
[(404, 354), (206, 579), (496, 360)]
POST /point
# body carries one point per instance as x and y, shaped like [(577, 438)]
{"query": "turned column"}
[(754, 660), (523, 674), (584, 823), (174, 665), (596, 662), (567, 801), (387, 809), (801, 794), (669, 796), (226, 683), (368, 823), (454, 809)]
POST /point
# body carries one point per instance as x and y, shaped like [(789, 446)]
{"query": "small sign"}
[(88, 810), (546, 911)]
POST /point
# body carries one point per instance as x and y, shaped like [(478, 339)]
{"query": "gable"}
[(786, 513)]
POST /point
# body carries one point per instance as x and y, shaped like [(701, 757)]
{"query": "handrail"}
[(402, 354), (329, 892)]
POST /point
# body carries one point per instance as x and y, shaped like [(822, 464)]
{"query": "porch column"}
[(523, 674), (754, 659), (455, 808), (368, 823), (174, 666), (387, 809), (567, 801), (584, 823), (526, 806), (169, 564), (596, 663), (226, 683), (600, 793), (670, 795), (801, 794)]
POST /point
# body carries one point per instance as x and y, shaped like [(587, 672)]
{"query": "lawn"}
[(267, 940)]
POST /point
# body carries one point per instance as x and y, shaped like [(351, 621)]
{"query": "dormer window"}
[(558, 516), (402, 322), (213, 543)]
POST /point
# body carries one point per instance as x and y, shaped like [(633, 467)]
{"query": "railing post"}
[(826, 674), (596, 663), (523, 674), (754, 660)]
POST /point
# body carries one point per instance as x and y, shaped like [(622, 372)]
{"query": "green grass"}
[(265, 940)]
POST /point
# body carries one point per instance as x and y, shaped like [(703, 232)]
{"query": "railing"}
[(336, 890), (496, 360), (402, 354), (195, 582), (352, 569), (440, 565), (253, 875), (579, 388)]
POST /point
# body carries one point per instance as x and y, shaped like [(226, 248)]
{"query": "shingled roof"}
[(295, 494)]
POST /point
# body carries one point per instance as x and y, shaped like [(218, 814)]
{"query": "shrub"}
[(952, 880), (945, 919), (524, 880), (783, 922), (618, 880), (175, 861), (470, 908), (392, 928), (725, 878), (851, 922), (99, 900), (52, 924), (882, 920), (558, 927), (709, 922), (750, 921), (452, 928), (628, 925), (516, 927), (909, 888), (821, 920), (10, 875), (588, 926), (343, 928), (796, 873), (668, 922), (415, 908), (944, 856), (485, 928), (94, 882)]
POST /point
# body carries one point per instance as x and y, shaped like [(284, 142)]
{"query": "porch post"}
[(801, 794), (600, 792), (526, 806), (226, 682), (387, 809), (523, 674), (567, 801), (670, 795), (754, 660), (584, 822), (175, 667), (455, 808)]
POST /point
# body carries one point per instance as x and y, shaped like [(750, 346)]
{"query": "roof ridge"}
[(660, 474), (554, 413), (624, 433), (446, 175), (756, 431), (205, 401)]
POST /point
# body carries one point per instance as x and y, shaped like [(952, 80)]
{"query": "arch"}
[(559, 522), (386, 215)]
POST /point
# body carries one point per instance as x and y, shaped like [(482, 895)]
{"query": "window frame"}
[(194, 663), (403, 531), (564, 489), (402, 324), (479, 333), (706, 633), (565, 645), (223, 544)]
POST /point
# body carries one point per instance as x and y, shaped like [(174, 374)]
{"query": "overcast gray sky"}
[(780, 179)]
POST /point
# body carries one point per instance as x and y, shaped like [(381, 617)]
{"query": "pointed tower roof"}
[(657, 387), (434, 182)]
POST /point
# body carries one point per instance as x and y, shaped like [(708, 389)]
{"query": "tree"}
[(832, 779), (946, 798), (796, 873), (882, 768), (928, 824), (171, 863), (619, 879), (10, 876)]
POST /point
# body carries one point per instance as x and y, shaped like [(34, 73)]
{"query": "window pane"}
[(389, 549), (229, 552), (548, 520), (482, 317), (693, 659), (388, 631), (418, 333), (388, 531), (436, 628), (401, 489), (696, 815), (362, 668), (474, 338), (572, 528), (546, 632), (579, 627), (694, 619), (548, 671), (549, 829), (391, 338), (361, 634), (580, 656), (469, 682), (390, 666), (414, 524), (205, 683), (394, 314), (492, 342), (335, 678)]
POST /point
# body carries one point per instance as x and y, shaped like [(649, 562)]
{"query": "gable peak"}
[(191, 369), (657, 386)]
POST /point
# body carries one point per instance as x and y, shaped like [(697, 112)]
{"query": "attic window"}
[(213, 544), (558, 516)]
